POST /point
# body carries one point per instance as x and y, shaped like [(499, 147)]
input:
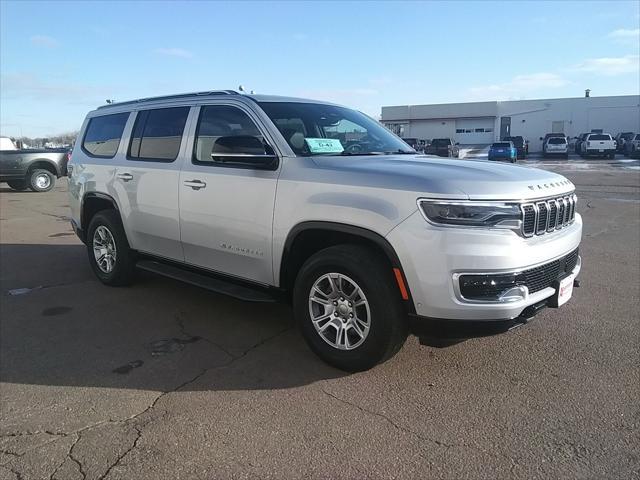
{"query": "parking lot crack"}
[(390, 421), (122, 455)]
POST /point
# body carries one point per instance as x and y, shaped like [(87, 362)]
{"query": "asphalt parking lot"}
[(165, 380)]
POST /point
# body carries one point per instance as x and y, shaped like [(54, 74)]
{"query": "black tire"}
[(41, 180), (123, 269), (388, 323), (18, 185)]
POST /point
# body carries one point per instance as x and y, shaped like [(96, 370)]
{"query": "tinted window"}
[(501, 145), (557, 141), (441, 142), (157, 134), (222, 121), (599, 137), (103, 134), (303, 123)]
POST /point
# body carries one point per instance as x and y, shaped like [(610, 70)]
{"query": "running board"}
[(207, 282)]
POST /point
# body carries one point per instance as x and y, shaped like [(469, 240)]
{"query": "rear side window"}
[(599, 137), (157, 134), (103, 135)]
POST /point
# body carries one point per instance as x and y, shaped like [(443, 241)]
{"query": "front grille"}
[(548, 215), (489, 287), (541, 277)]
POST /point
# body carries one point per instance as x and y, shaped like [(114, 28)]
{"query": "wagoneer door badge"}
[(242, 250)]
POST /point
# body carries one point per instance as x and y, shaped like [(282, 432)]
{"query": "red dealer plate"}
[(565, 290)]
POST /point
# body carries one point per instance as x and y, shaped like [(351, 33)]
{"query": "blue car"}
[(505, 151)]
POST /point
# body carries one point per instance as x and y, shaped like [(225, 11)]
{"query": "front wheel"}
[(41, 180), (348, 307), (110, 256)]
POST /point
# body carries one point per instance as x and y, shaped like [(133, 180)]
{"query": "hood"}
[(452, 178)]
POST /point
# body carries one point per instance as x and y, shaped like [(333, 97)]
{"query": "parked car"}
[(367, 246), (32, 168), (522, 145), (505, 151), (579, 139), (443, 147), (598, 145), (556, 146), (621, 139), (632, 147)]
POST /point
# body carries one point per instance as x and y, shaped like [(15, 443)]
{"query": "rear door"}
[(226, 206), (147, 181)]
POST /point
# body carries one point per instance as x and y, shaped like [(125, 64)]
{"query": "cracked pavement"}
[(165, 380)]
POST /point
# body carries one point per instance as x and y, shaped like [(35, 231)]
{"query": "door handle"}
[(125, 177), (195, 184)]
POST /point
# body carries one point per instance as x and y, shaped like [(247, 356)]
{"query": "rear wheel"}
[(41, 180), (348, 308), (110, 256), (18, 185)]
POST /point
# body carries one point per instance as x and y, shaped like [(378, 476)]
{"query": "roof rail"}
[(171, 97)]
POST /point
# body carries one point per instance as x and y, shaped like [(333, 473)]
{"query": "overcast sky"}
[(60, 60)]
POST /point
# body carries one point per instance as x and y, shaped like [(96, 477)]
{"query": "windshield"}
[(319, 129), (557, 141), (599, 137), (501, 145)]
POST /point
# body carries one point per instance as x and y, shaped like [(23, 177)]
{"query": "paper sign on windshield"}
[(324, 145)]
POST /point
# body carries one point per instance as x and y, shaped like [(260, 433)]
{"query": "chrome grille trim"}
[(546, 216)]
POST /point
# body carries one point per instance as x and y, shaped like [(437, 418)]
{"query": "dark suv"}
[(522, 145)]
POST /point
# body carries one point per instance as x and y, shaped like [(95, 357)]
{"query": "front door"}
[(226, 205)]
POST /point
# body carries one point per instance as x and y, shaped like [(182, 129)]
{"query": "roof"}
[(210, 93)]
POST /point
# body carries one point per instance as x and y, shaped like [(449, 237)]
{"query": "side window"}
[(157, 134), (226, 136), (103, 135)]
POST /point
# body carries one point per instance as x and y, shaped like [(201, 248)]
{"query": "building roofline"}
[(509, 101)]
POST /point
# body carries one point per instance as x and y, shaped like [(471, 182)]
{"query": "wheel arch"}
[(43, 164), (92, 203), (309, 237)]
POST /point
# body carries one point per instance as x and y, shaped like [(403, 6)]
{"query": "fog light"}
[(503, 288)]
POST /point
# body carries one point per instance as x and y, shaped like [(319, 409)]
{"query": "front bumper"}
[(598, 152), (433, 258)]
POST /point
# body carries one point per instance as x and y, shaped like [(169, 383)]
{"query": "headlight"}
[(472, 214)]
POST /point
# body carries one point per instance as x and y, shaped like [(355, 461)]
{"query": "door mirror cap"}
[(244, 149)]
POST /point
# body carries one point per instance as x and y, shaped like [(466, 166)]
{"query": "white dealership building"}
[(484, 122)]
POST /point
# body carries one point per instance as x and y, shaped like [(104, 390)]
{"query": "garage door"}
[(470, 131)]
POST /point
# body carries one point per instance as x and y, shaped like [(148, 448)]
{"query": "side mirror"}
[(243, 149)]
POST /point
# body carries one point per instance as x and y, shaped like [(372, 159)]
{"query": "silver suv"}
[(265, 197)]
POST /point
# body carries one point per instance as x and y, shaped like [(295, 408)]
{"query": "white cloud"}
[(626, 36), (175, 52), (44, 41), (610, 66), (32, 86), (518, 87)]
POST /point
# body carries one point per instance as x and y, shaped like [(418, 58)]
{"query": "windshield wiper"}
[(402, 152), (353, 154)]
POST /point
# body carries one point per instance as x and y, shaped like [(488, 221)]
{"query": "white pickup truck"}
[(598, 144)]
